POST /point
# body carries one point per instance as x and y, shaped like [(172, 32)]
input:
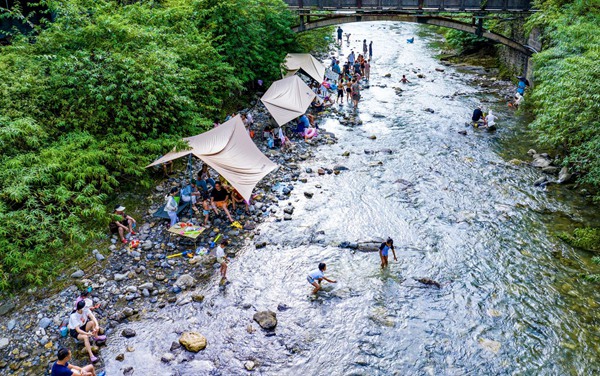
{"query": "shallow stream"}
[(511, 301)]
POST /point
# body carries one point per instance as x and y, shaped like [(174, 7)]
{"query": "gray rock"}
[(340, 168), (4, 342), (259, 245), (99, 256), (78, 274), (167, 358), (147, 245), (11, 325), (540, 181), (120, 277), (308, 194), (44, 323), (564, 176), (146, 293), (552, 170), (288, 210), (541, 162), (148, 286), (6, 308), (266, 319), (185, 281), (175, 346), (128, 333), (287, 217)]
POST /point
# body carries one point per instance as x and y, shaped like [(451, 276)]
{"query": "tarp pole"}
[(191, 172)]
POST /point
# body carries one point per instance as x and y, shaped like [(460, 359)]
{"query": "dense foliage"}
[(566, 98), (464, 42), (88, 100)]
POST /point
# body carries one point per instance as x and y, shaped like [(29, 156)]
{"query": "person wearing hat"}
[(62, 367), (384, 249), (121, 223), (83, 326)]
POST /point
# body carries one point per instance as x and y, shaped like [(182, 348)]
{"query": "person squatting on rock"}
[(121, 223)]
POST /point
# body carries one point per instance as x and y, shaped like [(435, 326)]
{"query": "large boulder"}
[(193, 341), (266, 319), (185, 281)]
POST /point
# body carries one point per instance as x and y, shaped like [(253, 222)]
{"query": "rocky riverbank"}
[(127, 282)]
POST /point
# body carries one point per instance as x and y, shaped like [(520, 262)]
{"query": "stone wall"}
[(513, 61)]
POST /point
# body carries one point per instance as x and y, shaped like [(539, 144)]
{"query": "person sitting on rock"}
[(190, 193), (121, 223), (85, 296), (219, 199), (204, 178), (237, 199), (62, 367), (83, 326)]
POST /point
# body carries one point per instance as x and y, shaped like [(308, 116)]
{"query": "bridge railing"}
[(441, 5)]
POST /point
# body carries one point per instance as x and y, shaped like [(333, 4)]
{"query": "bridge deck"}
[(412, 5)]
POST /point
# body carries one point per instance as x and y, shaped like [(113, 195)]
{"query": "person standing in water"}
[(315, 277), (365, 47), (339, 35), (370, 50), (384, 249)]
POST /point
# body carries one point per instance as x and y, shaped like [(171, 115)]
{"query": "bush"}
[(101, 92), (566, 98)]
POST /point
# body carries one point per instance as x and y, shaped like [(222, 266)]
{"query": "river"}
[(511, 302)]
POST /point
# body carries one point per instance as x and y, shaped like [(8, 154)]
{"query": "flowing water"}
[(511, 300)]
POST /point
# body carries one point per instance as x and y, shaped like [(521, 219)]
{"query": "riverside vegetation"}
[(91, 98)]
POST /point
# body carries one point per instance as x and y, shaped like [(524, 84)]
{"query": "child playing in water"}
[(384, 249), (315, 277)]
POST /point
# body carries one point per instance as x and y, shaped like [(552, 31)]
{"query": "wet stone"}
[(128, 333)]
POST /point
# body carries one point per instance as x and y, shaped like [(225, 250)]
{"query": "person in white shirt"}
[(490, 119), (83, 326), (222, 258), (315, 277)]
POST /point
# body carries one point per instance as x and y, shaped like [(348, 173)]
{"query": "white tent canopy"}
[(306, 62), (231, 152), (287, 99)]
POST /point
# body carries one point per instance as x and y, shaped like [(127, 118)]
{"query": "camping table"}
[(178, 230)]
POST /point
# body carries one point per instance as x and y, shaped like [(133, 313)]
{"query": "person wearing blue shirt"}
[(303, 124), (62, 367), (336, 67), (384, 249), (315, 277)]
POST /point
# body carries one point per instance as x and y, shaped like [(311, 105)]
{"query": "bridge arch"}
[(323, 20)]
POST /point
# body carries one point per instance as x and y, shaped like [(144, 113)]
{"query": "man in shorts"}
[(222, 258), (219, 198), (83, 326), (315, 277), (384, 249)]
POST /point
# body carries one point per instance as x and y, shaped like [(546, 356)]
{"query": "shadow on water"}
[(460, 214)]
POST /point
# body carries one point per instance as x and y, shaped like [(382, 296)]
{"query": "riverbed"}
[(511, 300)]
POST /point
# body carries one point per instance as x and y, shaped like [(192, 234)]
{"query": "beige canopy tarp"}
[(287, 99), (231, 152), (306, 62)]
